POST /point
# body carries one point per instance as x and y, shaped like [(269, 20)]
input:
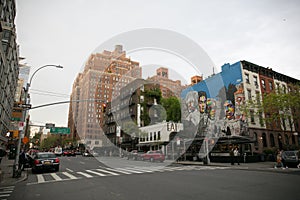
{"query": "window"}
[(263, 84), (255, 81), (252, 117), (264, 140), (272, 140), (249, 94), (247, 78), (255, 139), (271, 85), (158, 135)]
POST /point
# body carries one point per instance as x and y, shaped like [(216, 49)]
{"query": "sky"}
[(66, 32)]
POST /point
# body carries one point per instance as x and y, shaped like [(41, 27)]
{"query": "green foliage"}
[(278, 105), (173, 109)]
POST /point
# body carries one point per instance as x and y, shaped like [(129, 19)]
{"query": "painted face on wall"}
[(229, 109), (202, 104), (211, 108), (191, 102)]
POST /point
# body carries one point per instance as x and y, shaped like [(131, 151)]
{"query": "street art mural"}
[(220, 98)]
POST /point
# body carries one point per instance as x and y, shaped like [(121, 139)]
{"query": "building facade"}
[(9, 67), (221, 98), (168, 87), (103, 76)]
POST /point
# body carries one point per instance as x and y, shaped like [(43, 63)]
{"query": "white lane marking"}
[(82, 162), (97, 173), (4, 195), (105, 171), (4, 192), (69, 170), (129, 170), (85, 174), (143, 169), (120, 171), (7, 187), (56, 177), (69, 175), (40, 178)]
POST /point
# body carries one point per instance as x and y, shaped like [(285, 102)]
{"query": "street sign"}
[(49, 125), (60, 130)]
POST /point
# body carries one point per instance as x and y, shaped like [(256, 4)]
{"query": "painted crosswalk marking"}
[(56, 177), (69, 175), (107, 171), (40, 178), (6, 191), (85, 174)]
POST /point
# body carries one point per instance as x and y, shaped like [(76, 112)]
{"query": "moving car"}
[(290, 158), (153, 156), (135, 155), (87, 154), (45, 161)]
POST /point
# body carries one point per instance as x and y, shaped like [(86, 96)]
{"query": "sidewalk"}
[(261, 166), (6, 173)]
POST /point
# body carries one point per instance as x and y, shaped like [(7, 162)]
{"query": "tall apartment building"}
[(225, 93), (168, 87), (103, 76), (9, 68)]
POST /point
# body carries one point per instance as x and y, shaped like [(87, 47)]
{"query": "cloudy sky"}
[(66, 32)]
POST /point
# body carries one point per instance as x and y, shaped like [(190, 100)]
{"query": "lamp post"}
[(16, 170)]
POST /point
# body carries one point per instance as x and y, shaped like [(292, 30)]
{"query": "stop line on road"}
[(106, 171)]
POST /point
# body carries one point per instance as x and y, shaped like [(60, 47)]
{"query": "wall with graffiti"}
[(214, 105)]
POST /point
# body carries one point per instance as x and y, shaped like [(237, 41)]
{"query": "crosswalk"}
[(107, 171), (6, 191)]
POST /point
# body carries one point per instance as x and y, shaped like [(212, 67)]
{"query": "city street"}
[(87, 178)]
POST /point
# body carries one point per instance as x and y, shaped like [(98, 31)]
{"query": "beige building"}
[(168, 87), (103, 75)]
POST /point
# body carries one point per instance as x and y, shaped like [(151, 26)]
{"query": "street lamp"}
[(16, 170)]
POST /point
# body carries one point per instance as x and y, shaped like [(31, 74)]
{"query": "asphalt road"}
[(86, 178)]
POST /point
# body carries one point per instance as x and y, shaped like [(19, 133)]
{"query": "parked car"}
[(87, 154), (153, 156), (68, 152), (290, 158), (135, 155), (45, 161)]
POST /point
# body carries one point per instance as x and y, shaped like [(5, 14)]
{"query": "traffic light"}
[(103, 107)]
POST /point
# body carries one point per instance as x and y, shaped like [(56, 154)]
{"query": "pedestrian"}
[(279, 159), (236, 154), (231, 153)]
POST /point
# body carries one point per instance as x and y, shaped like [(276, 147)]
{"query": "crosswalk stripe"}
[(143, 169), (4, 195), (7, 191), (85, 174), (7, 187), (40, 178), (130, 170), (120, 171), (105, 171), (97, 173), (56, 177), (69, 175)]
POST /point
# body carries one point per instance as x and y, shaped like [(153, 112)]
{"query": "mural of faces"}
[(211, 108), (229, 109), (202, 102), (191, 102)]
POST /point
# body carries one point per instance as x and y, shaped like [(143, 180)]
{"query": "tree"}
[(279, 107), (173, 109)]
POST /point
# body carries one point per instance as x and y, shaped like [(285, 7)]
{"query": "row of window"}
[(155, 136)]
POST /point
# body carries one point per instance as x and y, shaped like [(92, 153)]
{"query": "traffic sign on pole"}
[(60, 130)]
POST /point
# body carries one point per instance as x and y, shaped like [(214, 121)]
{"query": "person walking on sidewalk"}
[(279, 159), (236, 154)]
